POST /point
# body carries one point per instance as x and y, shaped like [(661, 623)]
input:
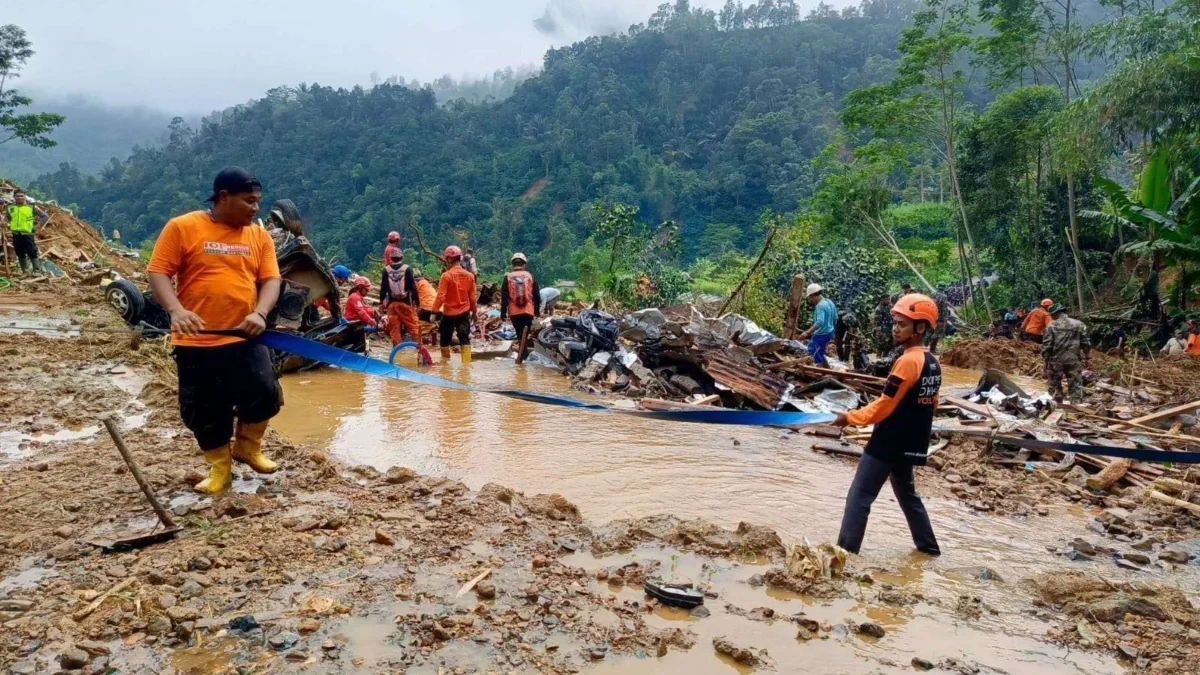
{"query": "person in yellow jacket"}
[(22, 217)]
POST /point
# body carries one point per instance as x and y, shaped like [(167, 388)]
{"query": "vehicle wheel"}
[(127, 299), (285, 213)]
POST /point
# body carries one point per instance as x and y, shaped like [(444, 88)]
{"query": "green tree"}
[(924, 104), (30, 128)]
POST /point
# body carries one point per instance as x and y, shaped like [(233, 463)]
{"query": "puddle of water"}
[(16, 445), (43, 327), (962, 380), (694, 471), (26, 576)]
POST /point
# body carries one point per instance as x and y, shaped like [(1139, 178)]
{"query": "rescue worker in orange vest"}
[(456, 304), (356, 306), (427, 294), (903, 419), (398, 297), (519, 295), (392, 247), (1036, 321)]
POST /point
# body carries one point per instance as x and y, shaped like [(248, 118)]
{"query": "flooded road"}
[(618, 466), (615, 466)]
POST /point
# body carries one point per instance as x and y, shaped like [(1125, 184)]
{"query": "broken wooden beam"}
[(1109, 476), (1184, 409), (765, 389)]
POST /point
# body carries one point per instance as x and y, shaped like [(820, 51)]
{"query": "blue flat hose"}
[(400, 347), (340, 358)]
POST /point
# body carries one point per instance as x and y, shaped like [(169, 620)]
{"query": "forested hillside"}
[(93, 134), (931, 140), (691, 119)]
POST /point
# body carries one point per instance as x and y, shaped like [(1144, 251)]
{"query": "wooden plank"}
[(1171, 501), (1161, 414), (968, 406)]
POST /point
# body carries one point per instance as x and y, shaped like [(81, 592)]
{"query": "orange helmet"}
[(361, 283), (394, 237), (452, 253), (917, 307), (1047, 302)]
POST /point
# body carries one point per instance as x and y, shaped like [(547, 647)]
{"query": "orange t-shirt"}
[(1036, 322), (217, 269), (1193, 345), (427, 294), (456, 292)]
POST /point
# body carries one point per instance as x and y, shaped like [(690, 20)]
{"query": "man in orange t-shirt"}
[(226, 277), (1036, 321), (1193, 339), (456, 302)]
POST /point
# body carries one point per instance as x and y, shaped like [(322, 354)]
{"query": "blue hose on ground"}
[(332, 356), (424, 357)]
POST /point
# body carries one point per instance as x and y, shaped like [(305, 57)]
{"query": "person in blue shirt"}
[(824, 322)]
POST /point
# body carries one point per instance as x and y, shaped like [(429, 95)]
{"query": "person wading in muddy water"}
[(519, 296), (226, 276), (398, 298), (456, 302), (903, 419)]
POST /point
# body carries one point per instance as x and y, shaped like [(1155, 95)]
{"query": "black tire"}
[(127, 299), (285, 213)]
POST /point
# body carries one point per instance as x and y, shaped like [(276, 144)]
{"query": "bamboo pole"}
[(1173, 502)]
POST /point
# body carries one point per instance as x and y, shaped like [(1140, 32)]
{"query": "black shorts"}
[(217, 384), (451, 325)]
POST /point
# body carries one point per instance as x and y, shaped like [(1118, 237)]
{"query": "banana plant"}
[(1167, 229)]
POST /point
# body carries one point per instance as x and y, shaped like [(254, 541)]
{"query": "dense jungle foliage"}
[(941, 140)]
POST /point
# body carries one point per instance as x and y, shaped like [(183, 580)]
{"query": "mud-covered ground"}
[(346, 569)]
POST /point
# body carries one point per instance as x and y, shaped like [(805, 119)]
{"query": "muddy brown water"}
[(616, 466)]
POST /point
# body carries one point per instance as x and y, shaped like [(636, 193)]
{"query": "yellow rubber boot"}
[(466, 354), (445, 353), (247, 447), (220, 472)]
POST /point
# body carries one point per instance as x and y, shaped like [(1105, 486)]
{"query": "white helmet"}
[(519, 257), (813, 289)]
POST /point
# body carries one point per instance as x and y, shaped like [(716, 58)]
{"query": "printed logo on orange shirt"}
[(219, 248)]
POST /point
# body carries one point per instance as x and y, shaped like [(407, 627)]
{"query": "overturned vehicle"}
[(307, 285)]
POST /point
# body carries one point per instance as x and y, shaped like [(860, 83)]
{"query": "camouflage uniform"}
[(1064, 346), (936, 333), (883, 328)]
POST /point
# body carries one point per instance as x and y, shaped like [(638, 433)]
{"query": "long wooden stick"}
[(163, 515), (749, 273), (4, 245)]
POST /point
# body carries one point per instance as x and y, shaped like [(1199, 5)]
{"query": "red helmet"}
[(917, 307), (452, 253), (394, 237), (361, 282)]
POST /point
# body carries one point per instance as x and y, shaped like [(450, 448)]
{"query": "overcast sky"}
[(188, 56)]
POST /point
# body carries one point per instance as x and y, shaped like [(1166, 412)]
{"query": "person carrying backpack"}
[(398, 297), (519, 296)]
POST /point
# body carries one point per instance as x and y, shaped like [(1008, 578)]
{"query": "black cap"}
[(234, 180)]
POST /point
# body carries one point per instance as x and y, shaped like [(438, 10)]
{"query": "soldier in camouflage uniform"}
[(1066, 348), (883, 325), (935, 335)]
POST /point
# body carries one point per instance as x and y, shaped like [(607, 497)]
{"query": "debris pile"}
[(1011, 356), (677, 357)]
